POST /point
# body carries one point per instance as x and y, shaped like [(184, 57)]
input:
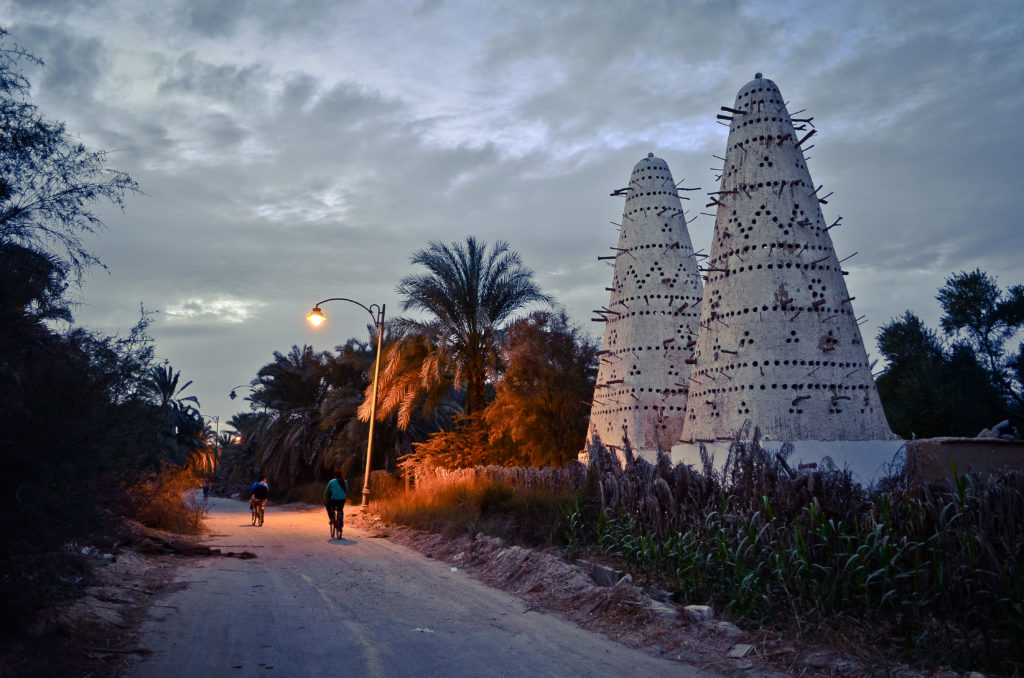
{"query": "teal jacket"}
[(336, 490)]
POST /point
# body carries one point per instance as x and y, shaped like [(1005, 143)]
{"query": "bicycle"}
[(257, 512), (337, 523)]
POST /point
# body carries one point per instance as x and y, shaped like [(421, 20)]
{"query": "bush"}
[(529, 516), (169, 500)]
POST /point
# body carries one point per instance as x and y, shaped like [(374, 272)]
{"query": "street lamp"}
[(233, 393), (316, 317)]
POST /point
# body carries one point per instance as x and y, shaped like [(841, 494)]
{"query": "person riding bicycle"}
[(259, 492), (334, 498)]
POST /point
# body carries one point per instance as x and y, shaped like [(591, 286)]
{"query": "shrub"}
[(168, 500), (530, 516)]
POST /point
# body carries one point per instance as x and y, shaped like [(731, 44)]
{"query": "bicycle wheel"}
[(334, 528), (259, 510), (254, 515)]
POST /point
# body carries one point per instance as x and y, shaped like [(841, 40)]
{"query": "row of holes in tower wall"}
[(722, 370), (612, 428), (792, 410), (632, 314), (771, 89), (669, 298), (832, 409), (719, 275), (634, 194), (835, 401), (660, 246), (714, 314), (658, 208), (650, 170)]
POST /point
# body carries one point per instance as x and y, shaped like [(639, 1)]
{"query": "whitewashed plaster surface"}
[(778, 343), (651, 317)]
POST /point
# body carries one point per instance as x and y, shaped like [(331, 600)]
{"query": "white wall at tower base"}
[(867, 460)]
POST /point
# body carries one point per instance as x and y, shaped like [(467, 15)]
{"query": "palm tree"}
[(469, 293), (349, 372), (239, 447), (183, 432), (161, 383), (290, 443)]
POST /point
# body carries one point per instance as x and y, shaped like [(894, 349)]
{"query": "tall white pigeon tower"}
[(651, 317), (779, 344)]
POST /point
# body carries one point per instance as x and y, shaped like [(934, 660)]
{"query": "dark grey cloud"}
[(214, 18), (240, 86), (292, 151), (73, 66), (53, 7)]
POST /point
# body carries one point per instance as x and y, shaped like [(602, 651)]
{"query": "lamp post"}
[(316, 317), (234, 393), (216, 444)]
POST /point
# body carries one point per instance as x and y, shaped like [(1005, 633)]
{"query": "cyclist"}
[(259, 492), (334, 498)]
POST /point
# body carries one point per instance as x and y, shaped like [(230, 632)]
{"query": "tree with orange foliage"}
[(542, 401)]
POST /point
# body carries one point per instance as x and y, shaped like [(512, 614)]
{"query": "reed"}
[(934, 571), (531, 516), (932, 574)]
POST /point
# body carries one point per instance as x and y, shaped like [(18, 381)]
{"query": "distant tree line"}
[(967, 379)]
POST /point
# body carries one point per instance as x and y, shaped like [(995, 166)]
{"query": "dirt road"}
[(362, 606)]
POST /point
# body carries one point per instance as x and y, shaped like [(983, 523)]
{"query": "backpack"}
[(260, 491)]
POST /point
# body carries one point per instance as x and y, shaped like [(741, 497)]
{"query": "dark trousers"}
[(333, 505)]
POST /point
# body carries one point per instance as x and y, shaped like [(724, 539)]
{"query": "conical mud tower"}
[(779, 343), (651, 317)]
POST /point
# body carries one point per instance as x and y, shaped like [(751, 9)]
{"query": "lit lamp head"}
[(316, 317)]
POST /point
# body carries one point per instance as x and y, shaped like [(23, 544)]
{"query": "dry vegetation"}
[(930, 576)]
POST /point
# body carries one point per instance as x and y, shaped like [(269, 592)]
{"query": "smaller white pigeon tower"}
[(651, 317)]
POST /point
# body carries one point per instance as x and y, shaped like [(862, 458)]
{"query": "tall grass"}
[(529, 516), (933, 574), (934, 571), (168, 500)]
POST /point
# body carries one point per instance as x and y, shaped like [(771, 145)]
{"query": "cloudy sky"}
[(293, 151)]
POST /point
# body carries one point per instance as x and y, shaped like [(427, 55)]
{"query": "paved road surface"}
[(362, 606)]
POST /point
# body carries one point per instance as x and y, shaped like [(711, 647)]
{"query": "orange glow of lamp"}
[(316, 317)]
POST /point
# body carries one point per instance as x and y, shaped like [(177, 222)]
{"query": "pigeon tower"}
[(651, 318), (779, 344)]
